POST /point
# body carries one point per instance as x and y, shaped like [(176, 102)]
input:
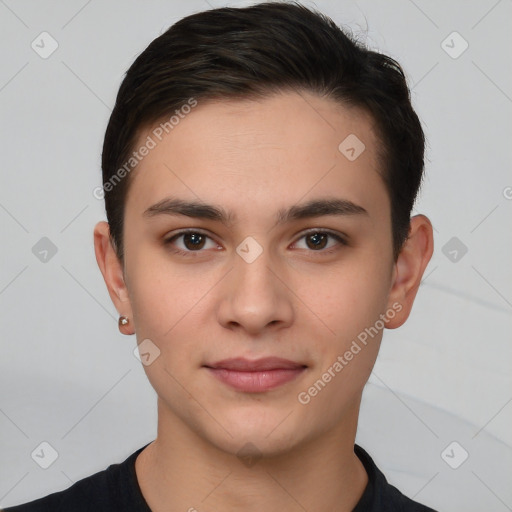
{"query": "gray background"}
[(68, 378)]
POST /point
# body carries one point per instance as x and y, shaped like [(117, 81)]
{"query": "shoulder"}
[(380, 495), (105, 490), (400, 502), (90, 493), (81, 496)]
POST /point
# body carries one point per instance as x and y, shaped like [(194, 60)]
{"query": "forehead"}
[(272, 151)]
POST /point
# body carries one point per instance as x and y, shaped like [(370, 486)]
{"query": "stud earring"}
[(123, 320)]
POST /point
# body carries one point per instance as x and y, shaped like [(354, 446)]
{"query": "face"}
[(257, 315)]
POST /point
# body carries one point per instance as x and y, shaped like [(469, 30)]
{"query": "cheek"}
[(345, 299), (163, 294), (349, 301), (167, 310)]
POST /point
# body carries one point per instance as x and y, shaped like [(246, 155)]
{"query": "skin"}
[(293, 301)]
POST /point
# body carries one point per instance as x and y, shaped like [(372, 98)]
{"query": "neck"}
[(183, 472)]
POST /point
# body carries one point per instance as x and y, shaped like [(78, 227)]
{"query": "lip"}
[(256, 376)]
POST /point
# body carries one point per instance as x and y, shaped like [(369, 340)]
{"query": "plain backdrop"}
[(436, 414)]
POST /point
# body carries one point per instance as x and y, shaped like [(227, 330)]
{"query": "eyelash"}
[(192, 254)]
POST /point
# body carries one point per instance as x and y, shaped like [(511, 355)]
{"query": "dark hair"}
[(251, 52)]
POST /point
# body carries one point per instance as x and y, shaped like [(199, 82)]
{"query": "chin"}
[(255, 445), (267, 433)]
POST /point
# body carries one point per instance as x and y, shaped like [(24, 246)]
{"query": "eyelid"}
[(184, 231)]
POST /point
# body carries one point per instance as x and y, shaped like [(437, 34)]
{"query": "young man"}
[(259, 172)]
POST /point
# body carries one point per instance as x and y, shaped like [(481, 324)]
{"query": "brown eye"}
[(320, 241), (317, 240), (193, 241), (190, 242)]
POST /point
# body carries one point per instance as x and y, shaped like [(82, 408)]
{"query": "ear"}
[(113, 274), (409, 268)]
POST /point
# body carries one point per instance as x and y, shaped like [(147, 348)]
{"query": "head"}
[(293, 157)]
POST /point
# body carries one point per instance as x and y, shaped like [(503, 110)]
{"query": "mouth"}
[(255, 376)]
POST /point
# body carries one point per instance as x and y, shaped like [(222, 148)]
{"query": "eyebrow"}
[(200, 210)]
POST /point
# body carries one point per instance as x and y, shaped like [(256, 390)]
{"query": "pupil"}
[(194, 239), (318, 240)]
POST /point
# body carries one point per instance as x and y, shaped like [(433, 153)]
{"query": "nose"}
[(255, 297)]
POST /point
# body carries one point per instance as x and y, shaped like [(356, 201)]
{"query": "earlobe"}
[(409, 268), (111, 269)]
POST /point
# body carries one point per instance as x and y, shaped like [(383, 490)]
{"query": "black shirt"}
[(117, 489)]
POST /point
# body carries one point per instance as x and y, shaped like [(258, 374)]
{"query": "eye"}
[(318, 241), (191, 241)]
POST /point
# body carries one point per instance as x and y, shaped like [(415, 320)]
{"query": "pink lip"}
[(256, 376)]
